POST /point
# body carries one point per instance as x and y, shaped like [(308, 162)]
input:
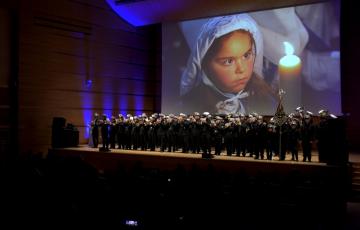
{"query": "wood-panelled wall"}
[(65, 43), (5, 51)]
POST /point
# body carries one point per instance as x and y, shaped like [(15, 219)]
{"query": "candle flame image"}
[(289, 49), (289, 60)]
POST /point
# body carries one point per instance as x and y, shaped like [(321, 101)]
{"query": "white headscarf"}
[(211, 30)]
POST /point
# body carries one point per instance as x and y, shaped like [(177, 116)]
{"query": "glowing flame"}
[(289, 60), (289, 49)]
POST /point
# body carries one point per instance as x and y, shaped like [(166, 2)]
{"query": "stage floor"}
[(223, 156), (117, 159)]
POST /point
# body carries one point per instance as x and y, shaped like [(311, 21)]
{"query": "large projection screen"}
[(230, 64)]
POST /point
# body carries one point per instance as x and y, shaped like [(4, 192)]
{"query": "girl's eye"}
[(247, 55), (227, 61)]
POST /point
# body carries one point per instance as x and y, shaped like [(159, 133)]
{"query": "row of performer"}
[(201, 133)]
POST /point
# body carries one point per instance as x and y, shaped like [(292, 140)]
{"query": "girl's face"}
[(230, 62)]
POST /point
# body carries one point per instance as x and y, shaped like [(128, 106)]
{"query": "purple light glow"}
[(145, 13), (87, 104), (108, 105), (123, 105), (126, 14), (139, 100)]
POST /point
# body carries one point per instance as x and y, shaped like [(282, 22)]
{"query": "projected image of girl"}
[(223, 73)]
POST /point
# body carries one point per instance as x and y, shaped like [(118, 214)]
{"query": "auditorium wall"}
[(350, 49), (5, 57), (78, 57)]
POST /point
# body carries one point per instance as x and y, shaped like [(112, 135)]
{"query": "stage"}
[(112, 160)]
